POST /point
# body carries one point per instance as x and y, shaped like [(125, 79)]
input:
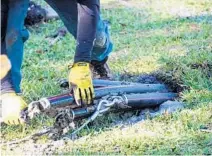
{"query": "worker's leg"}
[(102, 45), (16, 34), (6, 84), (12, 38), (68, 12), (4, 15)]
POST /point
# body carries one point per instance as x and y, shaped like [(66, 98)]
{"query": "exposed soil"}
[(145, 78), (159, 77), (122, 119)]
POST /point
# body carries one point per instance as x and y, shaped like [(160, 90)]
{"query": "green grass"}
[(149, 37)]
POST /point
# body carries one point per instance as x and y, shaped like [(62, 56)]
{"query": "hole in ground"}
[(172, 84)]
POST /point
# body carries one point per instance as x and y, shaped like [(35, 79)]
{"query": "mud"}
[(145, 78), (123, 120), (172, 84)]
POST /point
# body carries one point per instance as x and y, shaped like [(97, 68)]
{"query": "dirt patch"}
[(144, 78), (174, 85), (122, 119)]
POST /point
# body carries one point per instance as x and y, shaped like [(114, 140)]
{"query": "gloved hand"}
[(12, 105), (5, 66), (81, 82)]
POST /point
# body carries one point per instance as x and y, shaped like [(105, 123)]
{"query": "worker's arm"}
[(88, 14), (80, 77)]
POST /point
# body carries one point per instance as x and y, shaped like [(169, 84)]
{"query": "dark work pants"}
[(14, 35), (71, 13)]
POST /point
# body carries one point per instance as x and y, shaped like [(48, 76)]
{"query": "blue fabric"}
[(99, 53), (15, 37), (67, 10)]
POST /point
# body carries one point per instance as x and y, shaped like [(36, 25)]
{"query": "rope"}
[(103, 106)]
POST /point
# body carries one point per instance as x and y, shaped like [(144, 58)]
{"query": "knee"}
[(15, 35), (100, 40)]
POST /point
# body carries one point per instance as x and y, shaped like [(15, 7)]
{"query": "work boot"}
[(12, 107), (101, 69)]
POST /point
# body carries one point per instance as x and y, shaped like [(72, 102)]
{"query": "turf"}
[(171, 39)]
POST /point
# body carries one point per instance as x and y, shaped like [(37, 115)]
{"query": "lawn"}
[(168, 38)]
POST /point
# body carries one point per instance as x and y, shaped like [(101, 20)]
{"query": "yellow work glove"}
[(81, 82), (5, 66), (12, 105)]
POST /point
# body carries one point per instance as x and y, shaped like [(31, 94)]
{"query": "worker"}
[(93, 45)]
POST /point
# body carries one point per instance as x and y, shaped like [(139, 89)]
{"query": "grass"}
[(149, 37)]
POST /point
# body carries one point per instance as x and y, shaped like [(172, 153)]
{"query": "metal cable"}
[(103, 106)]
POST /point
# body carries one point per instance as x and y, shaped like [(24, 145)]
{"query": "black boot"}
[(101, 69)]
